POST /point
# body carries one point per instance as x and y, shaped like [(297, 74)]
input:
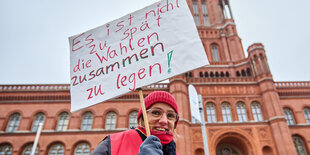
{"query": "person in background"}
[(162, 112)]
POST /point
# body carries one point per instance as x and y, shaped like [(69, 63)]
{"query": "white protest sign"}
[(193, 100), (141, 48)]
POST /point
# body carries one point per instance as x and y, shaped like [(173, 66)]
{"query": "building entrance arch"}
[(233, 143)]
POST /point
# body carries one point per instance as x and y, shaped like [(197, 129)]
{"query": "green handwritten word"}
[(169, 60)]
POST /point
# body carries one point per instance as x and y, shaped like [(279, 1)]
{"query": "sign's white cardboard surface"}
[(141, 48)]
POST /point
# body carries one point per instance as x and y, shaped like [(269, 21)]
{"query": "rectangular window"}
[(110, 123), (256, 112), (206, 21), (289, 116), (241, 112), (215, 53), (226, 113), (211, 116), (63, 122), (196, 13), (227, 11), (87, 121), (307, 114)]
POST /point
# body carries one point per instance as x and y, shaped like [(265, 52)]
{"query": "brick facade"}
[(231, 78)]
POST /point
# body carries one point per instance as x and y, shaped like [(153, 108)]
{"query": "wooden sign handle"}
[(146, 121)]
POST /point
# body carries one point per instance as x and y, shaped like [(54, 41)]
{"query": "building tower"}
[(237, 91)]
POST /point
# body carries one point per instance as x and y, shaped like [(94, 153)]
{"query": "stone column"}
[(280, 131)]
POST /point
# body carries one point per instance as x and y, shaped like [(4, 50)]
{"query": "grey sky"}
[(35, 48)]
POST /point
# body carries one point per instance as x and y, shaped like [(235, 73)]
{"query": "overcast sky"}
[(34, 46)]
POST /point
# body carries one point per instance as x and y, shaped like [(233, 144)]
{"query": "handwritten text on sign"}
[(144, 47)]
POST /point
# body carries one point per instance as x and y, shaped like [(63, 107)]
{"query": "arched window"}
[(226, 112), (39, 118), (56, 149), (307, 114), (243, 72), (222, 74), (110, 122), (199, 152), (241, 112), (215, 53), (248, 71), (211, 74), (227, 74), (267, 150), (133, 119), (237, 73), (186, 75), (257, 114), (190, 74), (196, 13), (13, 123), (82, 149), (28, 148), (211, 115), (200, 74), (299, 145), (206, 74), (63, 121), (289, 116), (5, 149), (87, 121)]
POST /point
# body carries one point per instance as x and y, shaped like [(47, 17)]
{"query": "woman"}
[(162, 112)]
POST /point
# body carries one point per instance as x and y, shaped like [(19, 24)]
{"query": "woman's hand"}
[(151, 146)]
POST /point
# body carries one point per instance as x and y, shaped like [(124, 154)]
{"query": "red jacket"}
[(121, 145)]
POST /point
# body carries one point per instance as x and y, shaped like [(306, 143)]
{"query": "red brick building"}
[(246, 111)]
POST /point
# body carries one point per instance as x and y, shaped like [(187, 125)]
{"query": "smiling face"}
[(162, 117)]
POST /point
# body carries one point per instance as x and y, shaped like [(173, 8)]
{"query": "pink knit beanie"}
[(159, 96)]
